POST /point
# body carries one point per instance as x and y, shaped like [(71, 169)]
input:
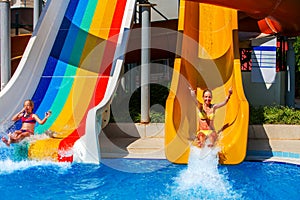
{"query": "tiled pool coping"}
[(273, 154)]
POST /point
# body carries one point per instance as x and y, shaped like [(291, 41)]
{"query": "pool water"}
[(202, 178)]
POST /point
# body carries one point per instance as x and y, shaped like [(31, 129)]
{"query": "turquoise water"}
[(202, 178)]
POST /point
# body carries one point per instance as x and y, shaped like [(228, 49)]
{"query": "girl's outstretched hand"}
[(230, 91), (193, 92), (48, 113)]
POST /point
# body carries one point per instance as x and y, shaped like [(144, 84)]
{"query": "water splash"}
[(9, 166), (18, 151), (202, 178), (6, 126), (15, 157)]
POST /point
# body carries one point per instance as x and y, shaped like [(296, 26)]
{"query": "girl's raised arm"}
[(219, 105)]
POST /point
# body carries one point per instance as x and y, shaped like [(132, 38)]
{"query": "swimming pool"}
[(147, 179)]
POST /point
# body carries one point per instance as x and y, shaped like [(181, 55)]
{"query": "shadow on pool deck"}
[(125, 140), (258, 142)]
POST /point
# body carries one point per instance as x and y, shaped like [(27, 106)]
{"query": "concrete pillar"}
[(145, 62), (291, 63), (132, 78), (5, 42), (37, 8)]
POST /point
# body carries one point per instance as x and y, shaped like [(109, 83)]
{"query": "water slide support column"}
[(145, 62), (291, 62), (5, 42), (37, 8)]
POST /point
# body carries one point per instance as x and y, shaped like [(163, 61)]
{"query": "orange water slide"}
[(209, 58), (273, 16)]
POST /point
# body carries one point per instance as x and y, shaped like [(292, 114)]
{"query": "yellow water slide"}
[(208, 57)]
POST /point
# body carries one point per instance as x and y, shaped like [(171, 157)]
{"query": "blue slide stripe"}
[(62, 80), (54, 55), (48, 86)]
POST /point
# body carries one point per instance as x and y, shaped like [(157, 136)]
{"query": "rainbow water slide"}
[(71, 66), (209, 58)]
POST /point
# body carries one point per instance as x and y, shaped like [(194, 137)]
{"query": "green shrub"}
[(274, 115), (157, 117), (256, 115), (158, 98)]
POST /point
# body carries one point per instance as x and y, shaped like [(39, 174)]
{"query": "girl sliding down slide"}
[(206, 114), (28, 123)]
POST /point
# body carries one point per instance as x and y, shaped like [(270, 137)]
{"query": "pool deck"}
[(269, 143), (133, 141)]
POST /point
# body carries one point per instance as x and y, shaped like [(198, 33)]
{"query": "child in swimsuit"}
[(28, 120), (206, 114)]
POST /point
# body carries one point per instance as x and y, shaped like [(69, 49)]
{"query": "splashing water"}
[(6, 126), (202, 179), (17, 151), (9, 166)]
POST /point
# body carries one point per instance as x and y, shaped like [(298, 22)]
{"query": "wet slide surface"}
[(209, 58)]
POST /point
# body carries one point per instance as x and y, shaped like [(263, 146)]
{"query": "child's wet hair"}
[(31, 102)]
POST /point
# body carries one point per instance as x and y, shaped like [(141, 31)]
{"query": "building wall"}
[(261, 94)]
